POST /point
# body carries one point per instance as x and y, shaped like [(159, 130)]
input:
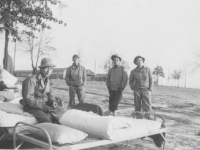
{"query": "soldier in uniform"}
[(141, 83), (36, 93), (116, 82), (76, 79)]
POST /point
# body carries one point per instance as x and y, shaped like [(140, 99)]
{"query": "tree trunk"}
[(34, 72), (157, 79), (185, 81), (38, 55), (5, 60)]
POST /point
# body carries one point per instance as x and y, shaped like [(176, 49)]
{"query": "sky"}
[(164, 32)]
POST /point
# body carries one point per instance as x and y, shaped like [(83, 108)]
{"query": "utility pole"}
[(168, 76), (14, 53), (95, 67), (157, 74)]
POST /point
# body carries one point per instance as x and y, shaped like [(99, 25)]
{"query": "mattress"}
[(10, 119), (14, 114)]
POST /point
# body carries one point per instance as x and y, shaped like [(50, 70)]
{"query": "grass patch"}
[(182, 121), (198, 134), (181, 106)]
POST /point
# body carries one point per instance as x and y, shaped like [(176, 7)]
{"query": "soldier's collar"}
[(139, 69), (41, 78), (75, 66), (116, 66)]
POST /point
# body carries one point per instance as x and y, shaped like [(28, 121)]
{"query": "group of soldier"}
[(39, 101)]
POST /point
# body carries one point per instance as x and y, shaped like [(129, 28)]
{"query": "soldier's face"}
[(139, 62), (46, 71), (75, 60), (116, 61)]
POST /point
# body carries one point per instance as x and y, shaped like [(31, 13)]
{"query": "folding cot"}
[(84, 144), (9, 119)]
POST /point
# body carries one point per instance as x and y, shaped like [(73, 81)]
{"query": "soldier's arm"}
[(124, 80), (84, 76), (131, 80), (150, 80), (108, 79), (67, 77)]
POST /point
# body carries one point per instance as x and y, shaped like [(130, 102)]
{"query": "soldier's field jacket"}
[(75, 75), (117, 78), (36, 92), (141, 79)]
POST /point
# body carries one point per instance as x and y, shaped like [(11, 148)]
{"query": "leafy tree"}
[(176, 75), (158, 71), (125, 64), (36, 47), (24, 17)]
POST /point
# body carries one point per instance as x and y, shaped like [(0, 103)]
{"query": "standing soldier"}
[(75, 79), (116, 82), (141, 83)]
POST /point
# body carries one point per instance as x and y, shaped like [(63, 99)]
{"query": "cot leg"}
[(16, 148), (164, 145), (164, 141)]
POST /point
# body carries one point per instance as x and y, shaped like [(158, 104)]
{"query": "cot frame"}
[(48, 145)]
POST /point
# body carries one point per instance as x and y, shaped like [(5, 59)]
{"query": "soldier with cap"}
[(76, 79), (141, 83), (37, 94), (116, 82)]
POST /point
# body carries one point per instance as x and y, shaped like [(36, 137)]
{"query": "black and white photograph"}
[(100, 74)]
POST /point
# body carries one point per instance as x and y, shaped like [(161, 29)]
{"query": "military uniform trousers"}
[(114, 99), (41, 116), (142, 100), (80, 91)]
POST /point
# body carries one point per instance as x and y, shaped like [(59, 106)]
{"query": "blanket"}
[(107, 127)]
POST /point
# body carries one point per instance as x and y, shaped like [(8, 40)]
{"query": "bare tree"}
[(107, 64), (196, 64), (81, 55), (37, 47), (185, 71)]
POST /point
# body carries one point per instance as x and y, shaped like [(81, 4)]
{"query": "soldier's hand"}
[(54, 105), (48, 109)]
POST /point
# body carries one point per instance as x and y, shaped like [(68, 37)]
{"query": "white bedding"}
[(108, 127), (9, 119), (12, 112)]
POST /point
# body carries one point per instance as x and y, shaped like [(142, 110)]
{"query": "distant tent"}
[(8, 64)]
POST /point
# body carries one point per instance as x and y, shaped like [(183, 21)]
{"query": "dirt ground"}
[(180, 108)]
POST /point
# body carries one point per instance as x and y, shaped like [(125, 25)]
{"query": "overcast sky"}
[(165, 32)]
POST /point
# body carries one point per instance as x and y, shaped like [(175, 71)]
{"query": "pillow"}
[(9, 95), (2, 98), (59, 134), (7, 78), (13, 108)]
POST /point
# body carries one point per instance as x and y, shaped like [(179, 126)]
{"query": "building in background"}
[(58, 73)]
